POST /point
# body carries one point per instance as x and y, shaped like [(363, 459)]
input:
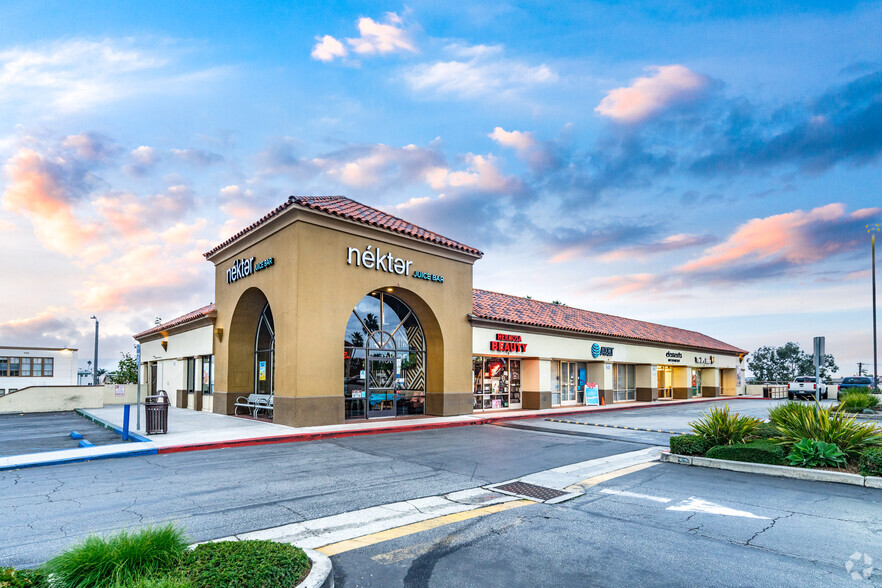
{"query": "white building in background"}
[(21, 367)]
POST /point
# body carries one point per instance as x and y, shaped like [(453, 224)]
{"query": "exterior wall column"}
[(536, 384), (601, 374), (681, 382), (647, 382), (710, 382)]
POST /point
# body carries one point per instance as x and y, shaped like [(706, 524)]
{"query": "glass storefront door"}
[(382, 394), (665, 382), (696, 382)]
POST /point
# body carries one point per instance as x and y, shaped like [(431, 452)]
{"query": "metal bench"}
[(254, 404)]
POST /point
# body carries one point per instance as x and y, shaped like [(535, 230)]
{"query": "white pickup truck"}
[(805, 387)]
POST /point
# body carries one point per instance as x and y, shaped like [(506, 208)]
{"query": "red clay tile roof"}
[(352, 210), (189, 317), (525, 311)]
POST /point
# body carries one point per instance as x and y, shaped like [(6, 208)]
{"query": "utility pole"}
[(95, 371), (860, 369), (873, 230)]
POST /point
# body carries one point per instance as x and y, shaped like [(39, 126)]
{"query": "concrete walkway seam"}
[(774, 470)]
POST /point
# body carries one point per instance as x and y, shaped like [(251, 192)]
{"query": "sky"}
[(706, 165)]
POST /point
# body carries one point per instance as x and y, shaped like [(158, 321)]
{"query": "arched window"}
[(264, 346), (384, 357)]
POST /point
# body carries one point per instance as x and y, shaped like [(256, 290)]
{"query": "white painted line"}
[(693, 504), (634, 495)]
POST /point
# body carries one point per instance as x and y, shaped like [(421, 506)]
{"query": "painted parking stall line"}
[(565, 422)]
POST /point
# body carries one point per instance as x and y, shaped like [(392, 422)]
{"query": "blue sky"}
[(705, 165)]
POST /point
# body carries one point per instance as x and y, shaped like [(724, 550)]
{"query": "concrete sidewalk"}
[(194, 431)]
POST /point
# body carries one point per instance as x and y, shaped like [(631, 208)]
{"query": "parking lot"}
[(22, 434)]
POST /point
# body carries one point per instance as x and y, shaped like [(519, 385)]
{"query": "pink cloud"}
[(796, 237), (649, 95)]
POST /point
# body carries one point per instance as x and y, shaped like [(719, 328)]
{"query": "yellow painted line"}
[(374, 538), (585, 484)]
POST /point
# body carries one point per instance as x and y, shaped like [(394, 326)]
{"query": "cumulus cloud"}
[(198, 157), (482, 72), (48, 328), (78, 74), (537, 155), (375, 38), (142, 160), (328, 48), (647, 96)]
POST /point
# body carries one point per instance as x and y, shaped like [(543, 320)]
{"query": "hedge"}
[(766, 431), (762, 451), (689, 445), (245, 564), (871, 462), (12, 578)]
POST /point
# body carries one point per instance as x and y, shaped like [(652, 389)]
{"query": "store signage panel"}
[(508, 344), (592, 394), (245, 267), (373, 258), (598, 351), (673, 356), (704, 360)]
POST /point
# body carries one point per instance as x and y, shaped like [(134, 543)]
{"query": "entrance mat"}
[(533, 492)]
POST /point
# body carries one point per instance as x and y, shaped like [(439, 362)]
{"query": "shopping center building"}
[(417, 338)]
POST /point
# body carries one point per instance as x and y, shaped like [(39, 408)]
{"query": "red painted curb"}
[(301, 437)]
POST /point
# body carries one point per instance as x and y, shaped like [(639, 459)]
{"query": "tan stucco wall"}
[(52, 399), (312, 290)]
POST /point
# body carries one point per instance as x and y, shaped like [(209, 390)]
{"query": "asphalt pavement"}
[(49, 431), (665, 525), (228, 491)]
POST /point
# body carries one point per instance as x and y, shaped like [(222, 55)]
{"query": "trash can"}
[(156, 413)]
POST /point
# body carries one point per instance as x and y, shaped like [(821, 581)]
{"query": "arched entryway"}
[(251, 348), (264, 353), (384, 359)]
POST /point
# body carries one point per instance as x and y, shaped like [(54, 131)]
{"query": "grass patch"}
[(246, 564), (765, 431), (759, 451), (120, 560)]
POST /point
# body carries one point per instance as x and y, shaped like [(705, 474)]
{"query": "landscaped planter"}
[(774, 470)]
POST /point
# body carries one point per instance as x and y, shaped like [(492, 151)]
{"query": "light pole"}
[(95, 371), (873, 229)]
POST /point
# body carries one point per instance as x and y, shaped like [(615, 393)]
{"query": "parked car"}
[(855, 382), (805, 387)]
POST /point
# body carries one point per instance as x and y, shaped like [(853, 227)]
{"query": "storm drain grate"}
[(530, 490)]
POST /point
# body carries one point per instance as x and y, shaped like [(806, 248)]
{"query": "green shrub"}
[(871, 462), (245, 564), (167, 582), (760, 451), (808, 453), (689, 445), (719, 426), (12, 578), (765, 431), (788, 409), (829, 426), (857, 400), (121, 559)]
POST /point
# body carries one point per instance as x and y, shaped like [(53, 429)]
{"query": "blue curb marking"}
[(86, 443), (78, 459), (75, 435), (108, 425), (614, 427)]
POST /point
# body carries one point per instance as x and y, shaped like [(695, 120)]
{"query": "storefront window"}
[(665, 381), (264, 346), (207, 374), (624, 382), (384, 359), (496, 382)]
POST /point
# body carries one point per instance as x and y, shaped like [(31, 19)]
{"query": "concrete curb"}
[(774, 470), (321, 575)]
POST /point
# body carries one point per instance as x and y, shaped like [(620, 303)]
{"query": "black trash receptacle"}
[(156, 413)]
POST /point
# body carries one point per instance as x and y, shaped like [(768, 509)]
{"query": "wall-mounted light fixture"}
[(219, 333)]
